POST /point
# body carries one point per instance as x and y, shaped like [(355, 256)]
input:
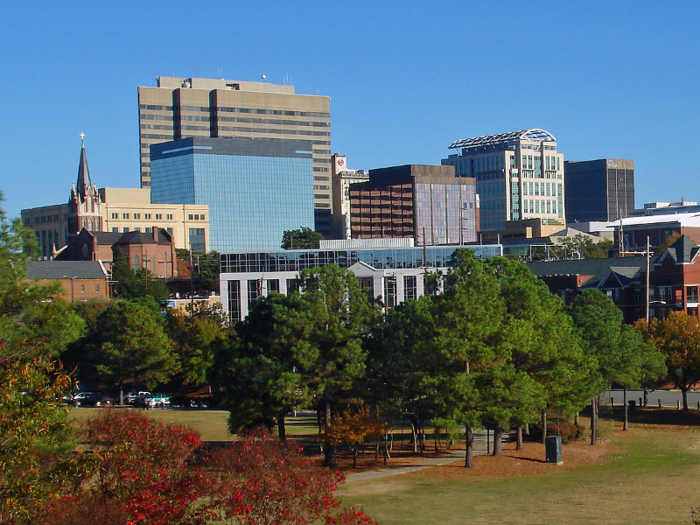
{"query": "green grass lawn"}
[(653, 477), (211, 424)]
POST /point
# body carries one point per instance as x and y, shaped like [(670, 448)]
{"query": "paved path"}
[(450, 457)]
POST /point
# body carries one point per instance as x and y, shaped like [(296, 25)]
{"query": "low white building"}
[(392, 270)]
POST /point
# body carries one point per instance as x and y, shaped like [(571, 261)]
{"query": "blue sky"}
[(608, 79)]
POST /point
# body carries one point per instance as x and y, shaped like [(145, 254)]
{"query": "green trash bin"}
[(553, 448)]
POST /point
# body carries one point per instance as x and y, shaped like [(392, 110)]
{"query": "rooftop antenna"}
[(263, 77)]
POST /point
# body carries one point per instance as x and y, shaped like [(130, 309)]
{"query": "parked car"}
[(91, 399), (135, 396), (160, 399)]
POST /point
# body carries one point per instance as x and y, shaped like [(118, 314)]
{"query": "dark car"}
[(91, 399)]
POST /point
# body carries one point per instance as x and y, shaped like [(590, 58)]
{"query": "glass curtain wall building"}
[(255, 188), (519, 175)]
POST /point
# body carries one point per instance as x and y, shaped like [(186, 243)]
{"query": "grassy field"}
[(211, 424), (651, 477)]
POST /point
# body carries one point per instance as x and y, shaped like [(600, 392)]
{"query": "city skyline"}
[(405, 80)]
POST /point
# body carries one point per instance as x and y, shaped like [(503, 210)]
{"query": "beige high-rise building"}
[(179, 108)]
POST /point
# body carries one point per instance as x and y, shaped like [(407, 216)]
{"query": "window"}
[(82, 288), (159, 216), (292, 285), (190, 217), (137, 216), (115, 230), (254, 289), (410, 289), (147, 216), (273, 286), (234, 300), (125, 215), (115, 216), (367, 283), (169, 217), (97, 288), (390, 292), (135, 262)]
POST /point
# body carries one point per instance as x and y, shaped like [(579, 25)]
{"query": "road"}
[(668, 398)]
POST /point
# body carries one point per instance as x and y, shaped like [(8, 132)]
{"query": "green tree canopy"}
[(301, 239)]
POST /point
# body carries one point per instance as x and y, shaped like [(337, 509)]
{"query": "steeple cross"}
[(82, 136)]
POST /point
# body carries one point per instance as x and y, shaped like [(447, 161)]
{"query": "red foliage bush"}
[(139, 471)]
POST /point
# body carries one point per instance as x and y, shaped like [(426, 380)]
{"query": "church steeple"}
[(84, 205), (83, 185)]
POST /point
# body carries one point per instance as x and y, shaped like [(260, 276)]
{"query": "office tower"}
[(599, 190), (195, 107), (255, 188), (519, 175), (342, 179), (426, 203)]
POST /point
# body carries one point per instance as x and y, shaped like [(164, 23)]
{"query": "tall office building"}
[(599, 190), (196, 107), (255, 188), (425, 203), (519, 175)]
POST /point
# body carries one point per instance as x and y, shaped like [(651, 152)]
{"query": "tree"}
[(131, 344), (195, 332), (338, 314), (469, 322), (587, 247), (130, 284), (670, 241), (265, 362), (301, 239), (598, 324), (354, 427), (35, 327), (677, 337)]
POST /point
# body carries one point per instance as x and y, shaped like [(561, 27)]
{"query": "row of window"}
[(272, 130), (196, 217), (258, 111), (146, 216), (546, 189), (539, 206), (147, 229)]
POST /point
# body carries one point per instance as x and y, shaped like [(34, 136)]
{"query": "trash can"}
[(553, 448), (631, 405)]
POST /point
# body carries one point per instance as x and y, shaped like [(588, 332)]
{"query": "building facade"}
[(425, 203), (519, 175), (255, 188), (391, 272), (598, 190), (115, 210), (130, 210), (178, 108), (342, 178), (80, 280)]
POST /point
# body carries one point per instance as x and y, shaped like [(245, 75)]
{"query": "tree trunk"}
[(577, 419), (356, 450), (281, 430), (594, 420), (625, 425), (121, 392), (544, 426), (519, 440), (327, 450), (497, 440), (414, 435), (684, 391), (387, 454), (469, 446)]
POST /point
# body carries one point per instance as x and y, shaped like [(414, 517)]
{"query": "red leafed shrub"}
[(260, 481), (138, 471)]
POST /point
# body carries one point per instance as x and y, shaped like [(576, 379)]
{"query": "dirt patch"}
[(526, 462)]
